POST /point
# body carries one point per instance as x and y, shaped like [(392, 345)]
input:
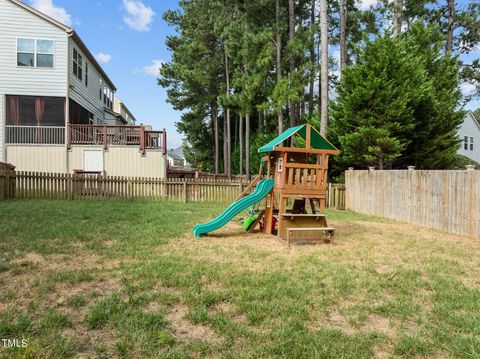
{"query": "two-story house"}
[(119, 115), (469, 133), (56, 103)]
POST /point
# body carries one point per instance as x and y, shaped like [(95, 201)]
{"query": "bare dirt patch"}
[(186, 331), (33, 258)]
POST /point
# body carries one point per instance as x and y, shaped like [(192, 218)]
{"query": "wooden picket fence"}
[(446, 200), (336, 196), (38, 185)]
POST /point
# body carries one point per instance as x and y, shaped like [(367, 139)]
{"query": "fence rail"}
[(35, 185), (446, 200)]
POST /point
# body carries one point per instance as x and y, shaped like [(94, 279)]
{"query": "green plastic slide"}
[(261, 190)]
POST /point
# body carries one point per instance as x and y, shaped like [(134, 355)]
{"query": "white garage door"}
[(92, 161)]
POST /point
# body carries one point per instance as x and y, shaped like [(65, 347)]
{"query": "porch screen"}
[(35, 111)]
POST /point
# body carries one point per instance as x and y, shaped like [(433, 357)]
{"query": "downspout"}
[(67, 104), (4, 144), (164, 152)]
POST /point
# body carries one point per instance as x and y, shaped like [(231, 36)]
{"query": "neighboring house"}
[(469, 133), (56, 100), (123, 112), (120, 115), (176, 159)]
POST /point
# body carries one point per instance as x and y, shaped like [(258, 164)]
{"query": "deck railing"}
[(88, 135), (40, 135), (116, 135)]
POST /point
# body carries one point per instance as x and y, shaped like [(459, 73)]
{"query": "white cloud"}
[(137, 16), (153, 69), (103, 58), (48, 8), (366, 4)]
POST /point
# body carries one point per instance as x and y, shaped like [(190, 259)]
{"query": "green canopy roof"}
[(317, 141)]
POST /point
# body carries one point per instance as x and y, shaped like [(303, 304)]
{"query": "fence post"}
[(7, 185), (69, 186), (329, 202), (185, 193)]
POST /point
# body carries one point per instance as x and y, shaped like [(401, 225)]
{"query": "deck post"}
[(142, 140), (69, 135), (105, 137), (164, 142)]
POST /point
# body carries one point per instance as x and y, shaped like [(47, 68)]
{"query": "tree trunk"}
[(228, 148), (260, 121), (343, 35), (247, 146), (214, 116), (324, 68), (279, 61), (225, 153), (291, 38), (397, 17), (240, 132), (311, 90), (451, 15), (236, 133), (265, 119), (301, 111)]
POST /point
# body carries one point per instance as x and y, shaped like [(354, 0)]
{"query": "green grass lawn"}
[(127, 279)]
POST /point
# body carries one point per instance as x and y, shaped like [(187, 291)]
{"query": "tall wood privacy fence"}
[(35, 185), (446, 200)]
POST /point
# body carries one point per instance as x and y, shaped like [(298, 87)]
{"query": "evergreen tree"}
[(398, 104)]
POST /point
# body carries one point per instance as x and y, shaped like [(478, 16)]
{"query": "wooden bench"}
[(329, 230)]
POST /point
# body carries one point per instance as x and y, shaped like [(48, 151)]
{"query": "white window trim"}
[(34, 53), (82, 80)]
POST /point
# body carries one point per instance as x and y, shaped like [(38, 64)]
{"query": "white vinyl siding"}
[(469, 133), (16, 22), (86, 96)]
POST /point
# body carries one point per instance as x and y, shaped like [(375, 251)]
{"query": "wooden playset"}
[(301, 176), (297, 162)]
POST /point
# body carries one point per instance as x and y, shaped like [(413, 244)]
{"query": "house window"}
[(107, 97), (77, 64), (471, 143), (86, 73), (34, 53), (465, 143), (101, 89)]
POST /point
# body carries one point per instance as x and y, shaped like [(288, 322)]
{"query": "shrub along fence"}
[(37, 185), (446, 200)]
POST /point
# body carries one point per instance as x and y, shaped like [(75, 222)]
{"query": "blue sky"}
[(128, 39)]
